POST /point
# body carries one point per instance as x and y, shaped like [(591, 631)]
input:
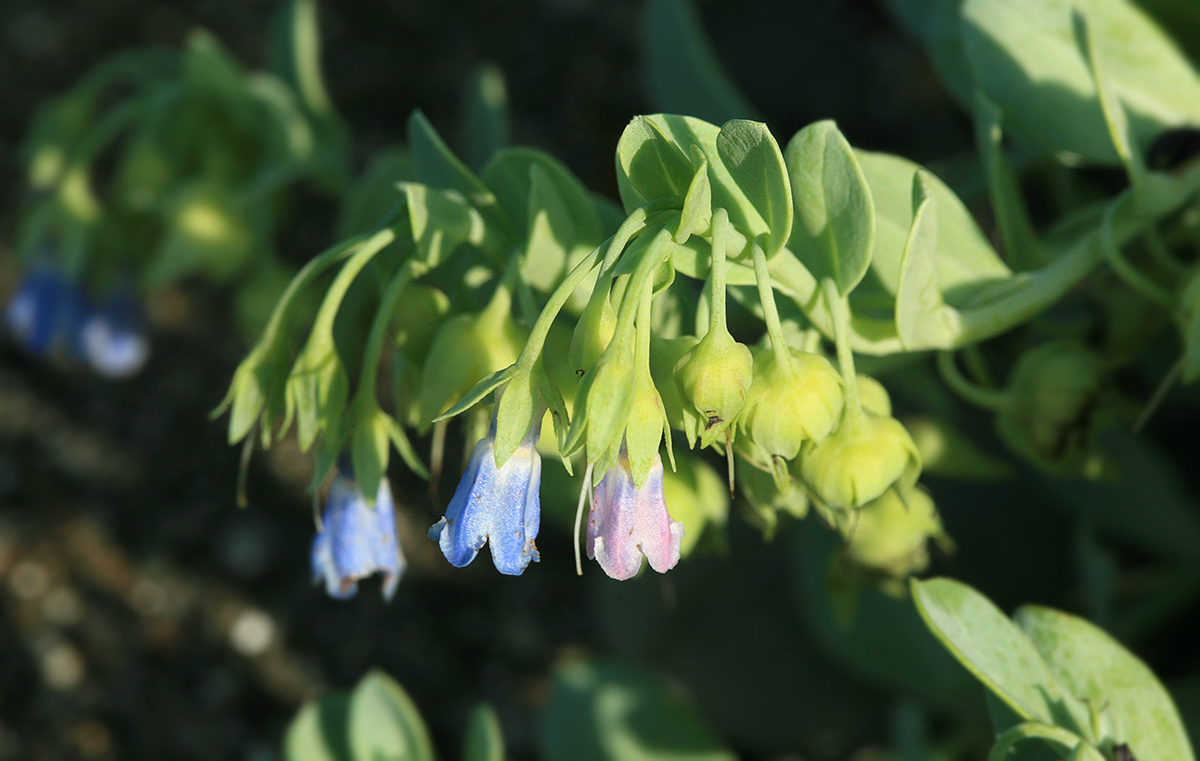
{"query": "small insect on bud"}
[(714, 377)]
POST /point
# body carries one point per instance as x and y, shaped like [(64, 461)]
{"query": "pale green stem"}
[(1065, 739), (766, 297), (1151, 290), (583, 493), (1160, 393), (720, 230), (839, 315), (641, 279), (987, 398)]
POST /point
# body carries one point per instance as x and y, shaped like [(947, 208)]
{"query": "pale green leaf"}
[(384, 723), (922, 318), (484, 740), (753, 159)]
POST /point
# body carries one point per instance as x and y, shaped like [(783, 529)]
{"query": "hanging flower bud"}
[(890, 534), (867, 455), (789, 404), (593, 332), (873, 396), (714, 377), (465, 349), (1054, 391)]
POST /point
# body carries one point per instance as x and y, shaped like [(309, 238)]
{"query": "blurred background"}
[(144, 616)]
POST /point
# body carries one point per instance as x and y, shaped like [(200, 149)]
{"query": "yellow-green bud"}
[(1053, 392), (418, 314), (593, 332), (873, 396), (646, 427), (466, 348), (890, 534), (863, 458), (790, 403), (714, 376)]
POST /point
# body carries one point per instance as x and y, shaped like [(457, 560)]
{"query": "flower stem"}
[(987, 398), (720, 230), (839, 315), (766, 298)]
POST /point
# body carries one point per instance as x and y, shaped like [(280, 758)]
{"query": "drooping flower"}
[(496, 505), (114, 338), (357, 539), (47, 312), (627, 523)]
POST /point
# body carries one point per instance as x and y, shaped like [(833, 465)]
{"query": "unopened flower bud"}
[(593, 332), (873, 396), (418, 314), (789, 404), (863, 458), (890, 534), (715, 376), (1053, 392)]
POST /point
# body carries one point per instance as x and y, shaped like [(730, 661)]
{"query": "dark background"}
[(143, 616)]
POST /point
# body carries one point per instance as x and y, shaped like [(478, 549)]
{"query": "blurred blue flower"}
[(114, 337), (626, 523), (496, 505), (47, 313), (356, 539)]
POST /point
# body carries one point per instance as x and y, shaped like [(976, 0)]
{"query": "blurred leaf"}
[(320, 731), (1024, 56), (384, 723), (484, 740), (754, 161), (949, 453), (1092, 667), (683, 76), (436, 166), (485, 115), (1022, 249), (937, 24), (441, 221), (609, 710), (834, 229), (992, 648), (372, 198), (509, 174)]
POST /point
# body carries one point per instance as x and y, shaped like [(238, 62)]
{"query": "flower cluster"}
[(51, 315)]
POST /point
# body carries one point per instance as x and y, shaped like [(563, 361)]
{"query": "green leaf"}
[(485, 115), (936, 23), (372, 199), (320, 730), (1024, 56), (384, 723), (922, 318), (509, 175), (1093, 667), (696, 216), (609, 710), (436, 166), (834, 229), (484, 740), (992, 648), (650, 164), (478, 392), (441, 221), (752, 157), (1023, 249), (683, 76)]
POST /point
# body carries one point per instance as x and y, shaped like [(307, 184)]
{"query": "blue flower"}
[(113, 337), (47, 313), (496, 505), (627, 522), (356, 540)]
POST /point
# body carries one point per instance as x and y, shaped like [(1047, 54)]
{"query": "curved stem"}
[(1032, 730), (987, 398), (766, 298), (583, 492), (839, 314), (1151, 290), (1160, 252)]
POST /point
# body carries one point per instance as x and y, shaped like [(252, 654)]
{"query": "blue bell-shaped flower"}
[(47, 313), (114, 337), (357, 539), (497, 505)]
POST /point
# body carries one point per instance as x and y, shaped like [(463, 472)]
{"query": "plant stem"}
[(766, 298), (839, 314), (987, 398)]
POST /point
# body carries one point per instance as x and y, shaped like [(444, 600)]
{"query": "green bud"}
[(466, 348), (593, 332), (768, 500), (890, 535), (714, 377), (789, 404), (1053, 394), (602, 404), (646, 427), (415, 322), (867, 455), (873, 396)]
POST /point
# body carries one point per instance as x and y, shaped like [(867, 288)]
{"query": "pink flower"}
[(627, 522)]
